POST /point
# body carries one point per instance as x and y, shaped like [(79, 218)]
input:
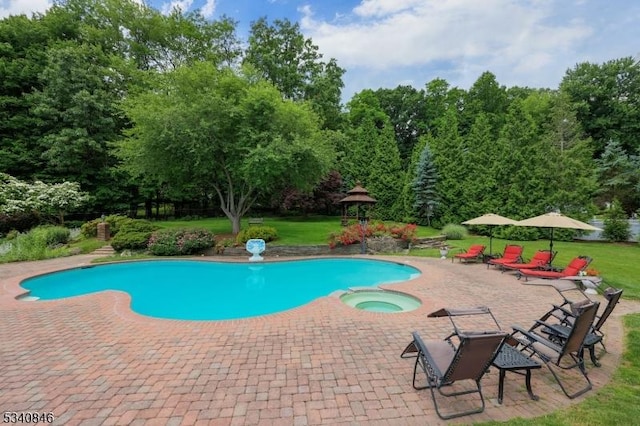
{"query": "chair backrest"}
[(613, 297), (476, 249), (513, 252), (579, 330), (542, 257), (474, 355), (576, 265)]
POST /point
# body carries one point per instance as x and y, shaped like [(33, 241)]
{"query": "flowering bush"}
[(353, 234), (592, 272), (173, 242)]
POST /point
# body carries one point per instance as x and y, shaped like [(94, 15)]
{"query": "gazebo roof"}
[(358, 195)]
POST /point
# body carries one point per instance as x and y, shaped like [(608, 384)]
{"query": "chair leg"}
[(592, 355), (582, 372)]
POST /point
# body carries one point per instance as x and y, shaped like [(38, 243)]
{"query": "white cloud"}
[(23, 7), (526, 42), (183, 5), (209, 8)]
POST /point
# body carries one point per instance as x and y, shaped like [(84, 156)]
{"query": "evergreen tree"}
[(424, 186), (447, 150)]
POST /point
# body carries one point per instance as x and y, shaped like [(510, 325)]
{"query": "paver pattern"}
[(90, 360)]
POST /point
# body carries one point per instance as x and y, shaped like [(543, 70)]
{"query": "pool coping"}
[(97, 361)]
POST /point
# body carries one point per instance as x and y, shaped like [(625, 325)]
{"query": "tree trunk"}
[(235, 224)]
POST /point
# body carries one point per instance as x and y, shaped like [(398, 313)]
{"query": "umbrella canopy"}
[(556, 220), (490, 219)]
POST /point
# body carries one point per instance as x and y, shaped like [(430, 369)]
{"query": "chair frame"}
[(464, 365), (559, 332), (469, 257), (551, 274), (501, 260), (552, 353), (529, 264)]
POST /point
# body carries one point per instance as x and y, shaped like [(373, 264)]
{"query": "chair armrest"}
[(534, 338)]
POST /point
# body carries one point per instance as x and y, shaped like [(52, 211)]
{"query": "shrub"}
[(33, 246), (353, 233), (454, 232), (133, 234), (266, 233), (51, 235), (21, 222), (12, 234), (616, 226), (130, 241), (115, 221), (520, 233), (173, 242)]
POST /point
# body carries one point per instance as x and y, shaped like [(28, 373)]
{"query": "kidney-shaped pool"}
[(204, 290)]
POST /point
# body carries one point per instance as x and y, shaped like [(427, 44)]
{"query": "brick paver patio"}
[(92, 361)]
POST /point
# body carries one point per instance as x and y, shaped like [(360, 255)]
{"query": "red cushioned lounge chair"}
[(542, 259), (512, 254), (474, 254), (574, 268)]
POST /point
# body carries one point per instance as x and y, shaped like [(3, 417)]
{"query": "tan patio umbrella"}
[(490, 219), (554, 220)]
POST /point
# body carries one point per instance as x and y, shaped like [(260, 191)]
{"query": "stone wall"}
[(374, 245)]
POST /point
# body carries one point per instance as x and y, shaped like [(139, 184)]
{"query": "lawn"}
[(617, 263)]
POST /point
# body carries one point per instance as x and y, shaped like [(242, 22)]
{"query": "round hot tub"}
[(378, 300)]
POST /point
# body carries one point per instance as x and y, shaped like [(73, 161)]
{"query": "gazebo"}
[(359, 197)]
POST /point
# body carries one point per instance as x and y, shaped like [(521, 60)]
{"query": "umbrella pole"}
[(551, 246), (490, 240)]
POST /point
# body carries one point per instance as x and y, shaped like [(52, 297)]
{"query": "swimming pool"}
[(204, 290)]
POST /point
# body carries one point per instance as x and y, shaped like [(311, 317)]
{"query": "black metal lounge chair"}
[(566, 355), (566, 317), (443, 364)]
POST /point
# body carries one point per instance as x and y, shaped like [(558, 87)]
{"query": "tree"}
[(405, 108), (424, 186), (607, 97), (78, 117), (294, 65), (17, 197), (231, 135), (618, 174)]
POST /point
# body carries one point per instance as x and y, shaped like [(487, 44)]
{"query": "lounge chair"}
[(444, 364), (574, 268), (567, 354), (541, 259), (512, 254), (473, 254), (566, 317)]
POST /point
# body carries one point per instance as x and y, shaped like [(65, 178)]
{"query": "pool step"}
[(104, 251)]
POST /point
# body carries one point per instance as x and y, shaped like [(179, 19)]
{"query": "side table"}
[(511, 359)]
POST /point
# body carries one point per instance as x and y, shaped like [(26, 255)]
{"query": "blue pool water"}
[(195, 290)]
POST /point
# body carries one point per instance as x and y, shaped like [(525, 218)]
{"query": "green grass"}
[(291, 230), (617, 403), (617, 262)]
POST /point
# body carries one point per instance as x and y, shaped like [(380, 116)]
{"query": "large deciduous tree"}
[(230, 134), (607, 97), (294, 65)]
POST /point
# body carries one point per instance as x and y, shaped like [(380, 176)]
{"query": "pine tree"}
[(424, 186)]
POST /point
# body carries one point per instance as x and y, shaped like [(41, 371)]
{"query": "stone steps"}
[(104, 251)]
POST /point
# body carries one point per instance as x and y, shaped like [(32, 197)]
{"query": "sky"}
[(386, 43)]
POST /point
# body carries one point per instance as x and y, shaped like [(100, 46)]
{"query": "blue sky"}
[(384, 43)]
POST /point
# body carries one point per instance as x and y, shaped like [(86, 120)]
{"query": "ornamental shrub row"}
[(353, 233), (174, 242)]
